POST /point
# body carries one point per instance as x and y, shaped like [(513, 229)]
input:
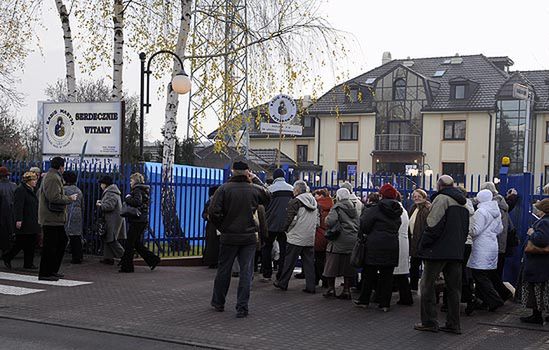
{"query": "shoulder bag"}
[(533, 249)]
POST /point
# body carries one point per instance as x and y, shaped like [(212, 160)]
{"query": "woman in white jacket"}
[(484, 255), (400, 274)]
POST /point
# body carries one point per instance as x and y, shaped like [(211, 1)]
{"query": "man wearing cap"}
[(7, 215), (233, 210), (281, 194), (442, 247), (52, 215)]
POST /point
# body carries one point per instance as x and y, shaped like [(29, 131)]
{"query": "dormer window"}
[(462, 88), (459, 92), (399, 90)]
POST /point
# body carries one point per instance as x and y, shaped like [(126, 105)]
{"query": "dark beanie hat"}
[(388, 191), (278, 173), (240, 165), (107, 180)]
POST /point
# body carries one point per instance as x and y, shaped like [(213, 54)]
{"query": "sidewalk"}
[(173, 303)]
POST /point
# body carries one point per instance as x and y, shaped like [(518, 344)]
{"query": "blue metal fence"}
[(189, 184), (190, 187)]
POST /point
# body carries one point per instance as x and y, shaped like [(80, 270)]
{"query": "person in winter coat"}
[(497, 277), (535, 277), (233, 211), (301, 223), (115, 226), (325, 204), (211, 249), (344, 218), (484, 255), (281, 193), (26, 222), (353, 198), (403, 269), (441, 248), (52, 215), (139, 197), (379, 226), (7, 219), (73, 227), (418, 221)]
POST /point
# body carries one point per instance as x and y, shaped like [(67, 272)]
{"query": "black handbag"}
[(358, 254), (128, 211)]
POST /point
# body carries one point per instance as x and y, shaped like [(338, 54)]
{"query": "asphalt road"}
[(15, 335)]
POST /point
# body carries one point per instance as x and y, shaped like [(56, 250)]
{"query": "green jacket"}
[(52, 191)]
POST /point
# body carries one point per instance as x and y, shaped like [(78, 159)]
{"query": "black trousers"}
[(53, 249), (134, 242), (497, 279), (76, 248), (266, 255), (485, 287), (384, 284), (404, 290), (320, 261), (25, 243), (467, 285), (415, 264)]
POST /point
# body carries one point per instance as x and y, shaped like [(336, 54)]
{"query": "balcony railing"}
[(398, 142)]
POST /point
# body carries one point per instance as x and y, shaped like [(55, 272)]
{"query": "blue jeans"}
[(227, 254)]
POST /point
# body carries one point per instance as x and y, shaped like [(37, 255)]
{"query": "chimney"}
[(386, 57)]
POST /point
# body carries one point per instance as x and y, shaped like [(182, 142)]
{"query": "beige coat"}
[(52, 191)]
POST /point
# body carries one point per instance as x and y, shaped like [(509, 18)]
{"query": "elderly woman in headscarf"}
[(379, 224), (484, 254), (26, 222), (535, 278), (497, 276), (343, 220)]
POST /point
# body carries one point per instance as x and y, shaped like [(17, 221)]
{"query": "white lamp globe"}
[(181, 83)]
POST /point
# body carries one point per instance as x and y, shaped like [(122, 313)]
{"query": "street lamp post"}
[(180, 83)]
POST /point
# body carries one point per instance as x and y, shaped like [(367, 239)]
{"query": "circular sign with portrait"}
[(282, 108), (60, 129)]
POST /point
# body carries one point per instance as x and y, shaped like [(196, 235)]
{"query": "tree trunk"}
[(118, 53), (69, 52), (172, 225)]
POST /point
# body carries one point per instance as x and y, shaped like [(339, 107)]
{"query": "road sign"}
[(282, 108), (273, 128), (520, 92)]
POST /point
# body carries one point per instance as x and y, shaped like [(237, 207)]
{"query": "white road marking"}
[(11, 290), (34, 279)]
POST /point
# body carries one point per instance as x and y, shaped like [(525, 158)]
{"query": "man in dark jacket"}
[(441, 247), (52, 215), (281, 193), (233, 210), (7, 218)]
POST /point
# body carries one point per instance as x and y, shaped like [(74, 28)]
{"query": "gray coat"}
[(73, 227), (345, 213), (111, 203)]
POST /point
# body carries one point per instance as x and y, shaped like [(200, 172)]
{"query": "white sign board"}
[(273, 128), (520, 92), (68, 125), (282, 108)]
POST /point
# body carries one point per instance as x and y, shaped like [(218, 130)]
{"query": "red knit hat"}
[(388, 191)]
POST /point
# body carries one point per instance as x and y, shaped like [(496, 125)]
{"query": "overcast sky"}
[(421, 28)]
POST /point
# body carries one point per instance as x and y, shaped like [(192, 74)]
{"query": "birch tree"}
[(118, 53), (69, 51)]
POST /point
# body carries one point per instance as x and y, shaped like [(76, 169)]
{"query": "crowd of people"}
[(46, 210), (445, 244)]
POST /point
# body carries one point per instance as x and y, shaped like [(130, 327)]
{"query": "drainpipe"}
[(317, 118), (490, 146)]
